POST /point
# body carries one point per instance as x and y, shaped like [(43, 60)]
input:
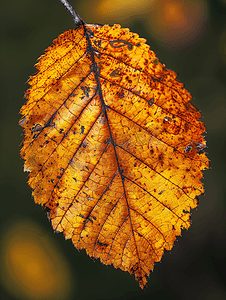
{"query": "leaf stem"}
[(77, 19)]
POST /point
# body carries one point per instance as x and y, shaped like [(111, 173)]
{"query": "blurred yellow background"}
[(189, 37), (32, 264), (173, 23)]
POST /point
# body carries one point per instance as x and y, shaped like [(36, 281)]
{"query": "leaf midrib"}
[(99, 91)]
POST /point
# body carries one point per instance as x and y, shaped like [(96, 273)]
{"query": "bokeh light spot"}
[(115, 11), (178, 23), (173, 14), (32, 267)]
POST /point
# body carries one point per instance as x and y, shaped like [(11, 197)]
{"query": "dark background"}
[(195, 267)]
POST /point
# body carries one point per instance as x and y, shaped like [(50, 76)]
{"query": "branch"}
[(77, 19)]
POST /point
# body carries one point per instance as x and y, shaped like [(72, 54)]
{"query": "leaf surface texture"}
[(113, 146)]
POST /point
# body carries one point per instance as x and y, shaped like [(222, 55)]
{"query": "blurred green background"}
[(190, 38)]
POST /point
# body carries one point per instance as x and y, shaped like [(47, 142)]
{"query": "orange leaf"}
[(113, 146)]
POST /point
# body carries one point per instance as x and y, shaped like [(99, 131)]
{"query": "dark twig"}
[(77, 19)]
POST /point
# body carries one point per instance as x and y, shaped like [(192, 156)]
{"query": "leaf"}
[(113, 146)]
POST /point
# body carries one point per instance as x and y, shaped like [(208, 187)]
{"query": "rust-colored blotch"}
[(114, 147)]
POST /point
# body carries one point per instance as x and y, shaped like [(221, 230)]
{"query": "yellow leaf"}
[(113, 146)]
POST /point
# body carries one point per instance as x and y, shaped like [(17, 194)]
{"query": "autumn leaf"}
[(114, 147)]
